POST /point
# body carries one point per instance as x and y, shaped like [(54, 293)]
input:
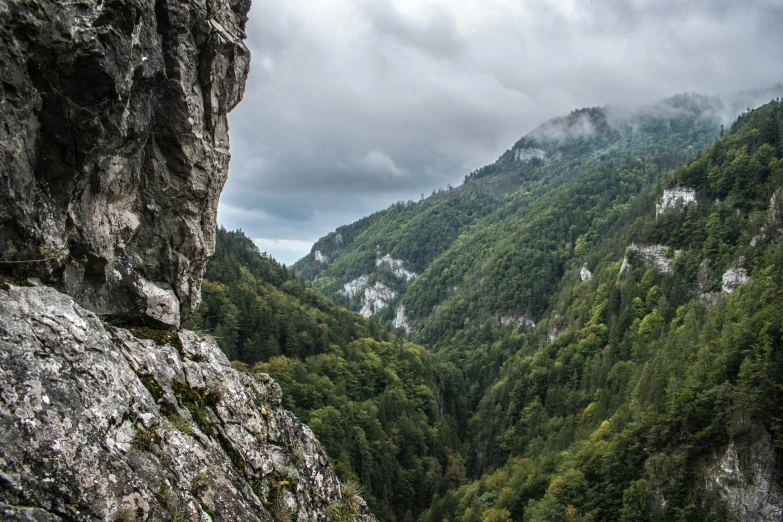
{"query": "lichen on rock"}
[(97, 423)]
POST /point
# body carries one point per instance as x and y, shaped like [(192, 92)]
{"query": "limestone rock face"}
[(396, 266), (746, 484), (114, 146), (655, 255), (376, 298), (97, 423), (401, 319), (352, 288), (677, 198), (732, 278)]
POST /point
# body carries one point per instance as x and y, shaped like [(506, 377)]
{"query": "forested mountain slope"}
[(383, 264), (390, 414), (651, 388), (604, 348)]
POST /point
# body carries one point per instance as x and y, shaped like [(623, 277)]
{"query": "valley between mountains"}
[(586, 329)]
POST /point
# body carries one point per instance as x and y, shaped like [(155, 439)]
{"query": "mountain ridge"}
[(691, 119), (616, 337)]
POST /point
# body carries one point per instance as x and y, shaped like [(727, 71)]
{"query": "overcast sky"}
[(352, 105)]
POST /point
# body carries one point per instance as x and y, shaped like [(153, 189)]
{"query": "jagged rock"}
[(114, 144), (352, 288), (97, 423), (396, 266), (376, 298), (655, 255), (585, 274), (677, 198), (401, 320), (732, 278), (746, 483)]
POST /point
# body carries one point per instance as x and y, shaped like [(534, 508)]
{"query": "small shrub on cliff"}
[(161, 337), (146, 440), (201, 484), (296, 454), (339, 512), (171, 501), (176, 422), (351, 491)]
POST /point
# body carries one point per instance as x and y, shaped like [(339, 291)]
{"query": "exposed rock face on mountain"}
[(98, 423), (677, 198), (396, 266), (656, 255), (746, 483), (376, 298), (114, 144)]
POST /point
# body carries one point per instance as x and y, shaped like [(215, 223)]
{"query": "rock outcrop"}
[(677, 198), (732, 278), (114, 143), (321, 258), (516, 321), (746, 483), (114, 146), (401, 319), (396, 266), (658, 256), (99, 423), (352, 288), (376, 298)]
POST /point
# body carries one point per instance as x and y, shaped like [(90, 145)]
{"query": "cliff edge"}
[(113, 153), (114, 146)]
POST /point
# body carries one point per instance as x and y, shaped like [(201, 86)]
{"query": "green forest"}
[(529, 391), (389, 413)]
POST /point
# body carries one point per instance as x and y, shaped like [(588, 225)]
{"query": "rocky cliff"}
[(103, 423), (114, 146)]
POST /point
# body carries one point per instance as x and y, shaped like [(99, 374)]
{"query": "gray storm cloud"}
[(352, 105)]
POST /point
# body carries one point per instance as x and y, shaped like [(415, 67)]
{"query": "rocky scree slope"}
[(114, 146), (99, 423)]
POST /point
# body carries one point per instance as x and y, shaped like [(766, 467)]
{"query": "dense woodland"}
[(440, 237), (387, 411), (611, 407)]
